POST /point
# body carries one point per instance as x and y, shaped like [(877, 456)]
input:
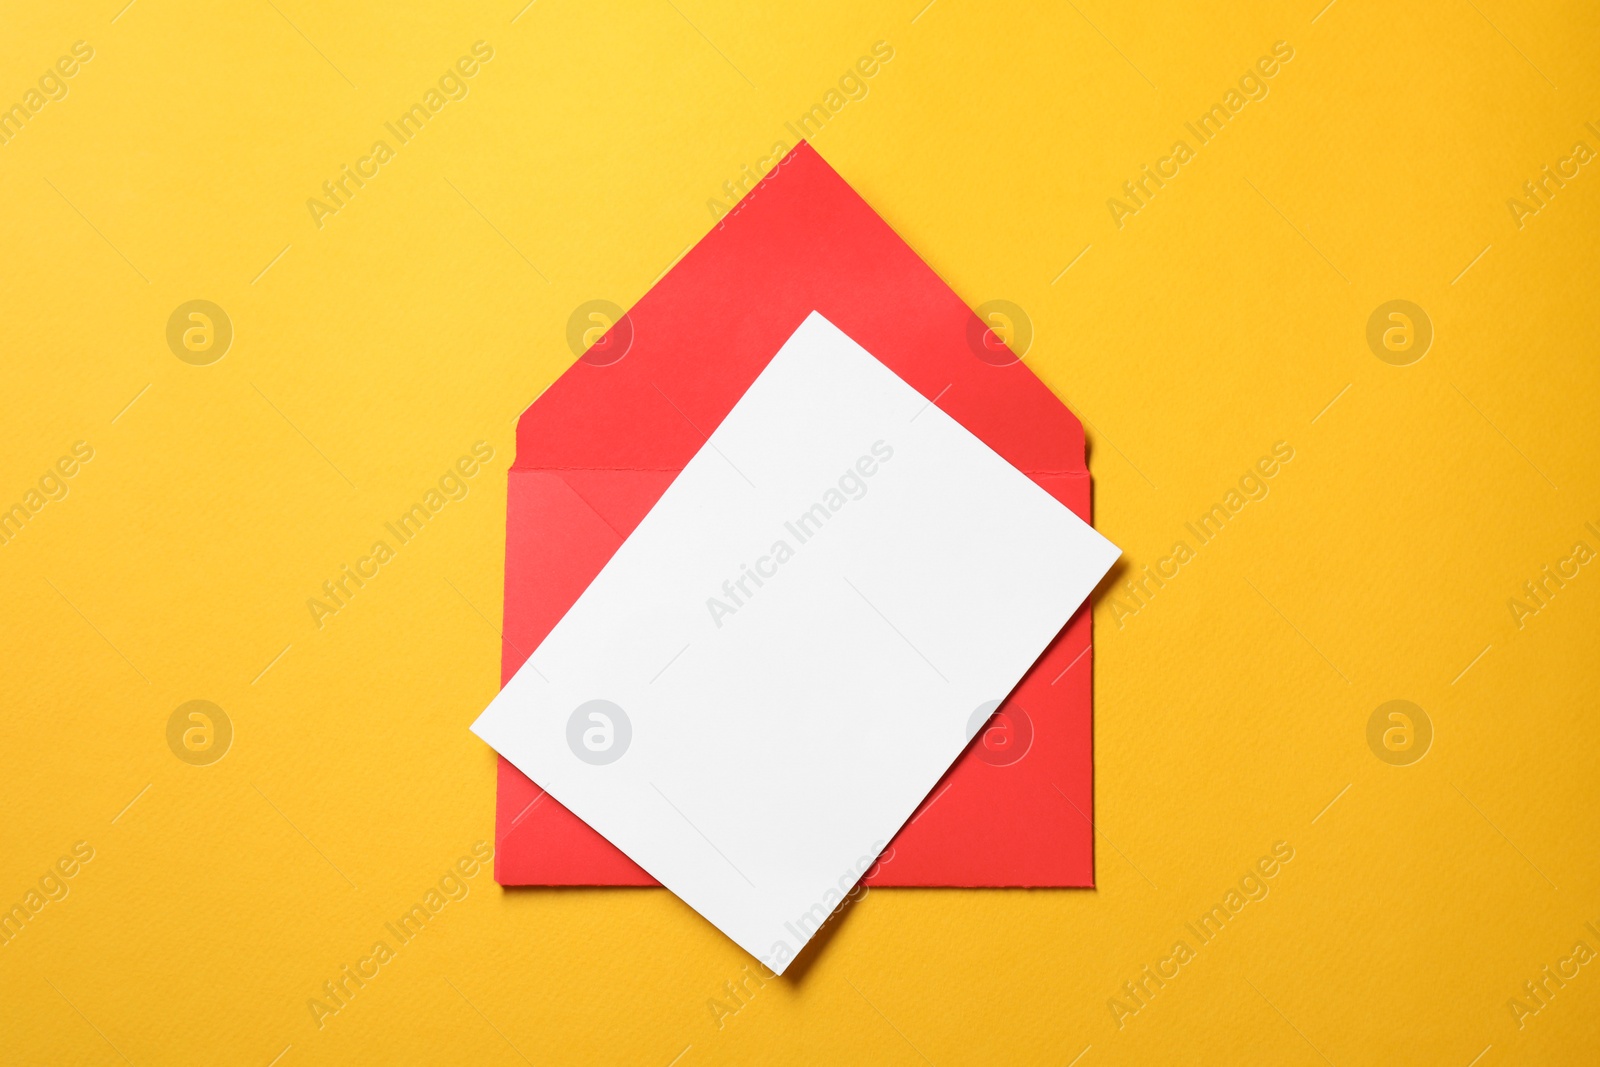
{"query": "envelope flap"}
[(697, 340)]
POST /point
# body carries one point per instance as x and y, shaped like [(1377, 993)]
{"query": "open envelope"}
[(603, 443)]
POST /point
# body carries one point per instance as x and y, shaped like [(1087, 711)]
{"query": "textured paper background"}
[(1226, 315)]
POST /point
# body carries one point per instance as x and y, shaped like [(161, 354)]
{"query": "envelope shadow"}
[(813, 950), (1121, 566), (1118, 570)]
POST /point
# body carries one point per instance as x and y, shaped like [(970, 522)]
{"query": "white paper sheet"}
[(778, 665)]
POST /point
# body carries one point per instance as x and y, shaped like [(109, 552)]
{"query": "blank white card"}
[(777, 666)]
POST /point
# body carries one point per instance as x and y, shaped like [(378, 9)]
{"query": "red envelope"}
[(601, 445)]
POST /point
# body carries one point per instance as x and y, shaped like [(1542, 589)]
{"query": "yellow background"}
[(1226, 315)]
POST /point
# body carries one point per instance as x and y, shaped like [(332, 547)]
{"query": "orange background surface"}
[(1193, 328)]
